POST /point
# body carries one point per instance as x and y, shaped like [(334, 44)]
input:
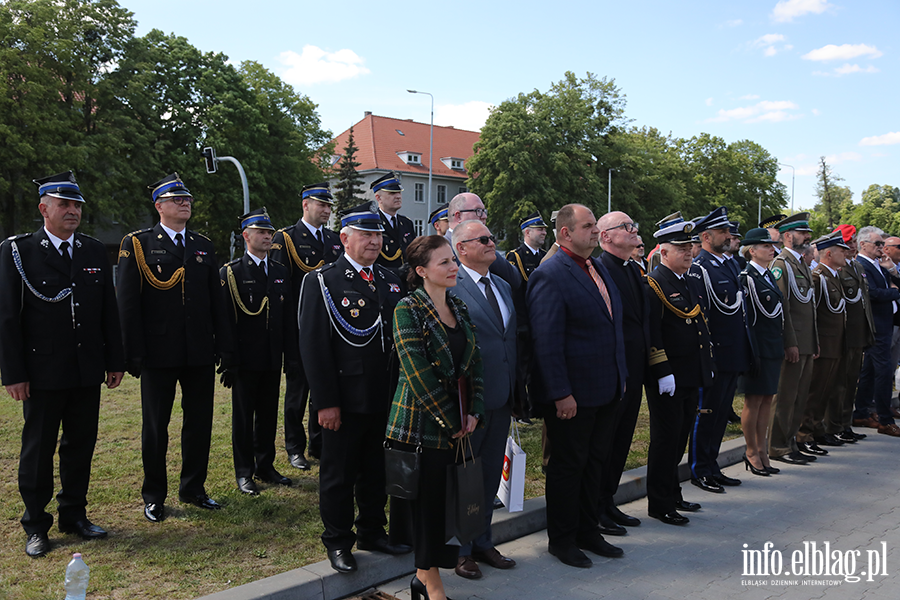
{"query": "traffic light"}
[(209, 154)]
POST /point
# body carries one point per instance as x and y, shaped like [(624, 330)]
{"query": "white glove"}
[(667, 385)]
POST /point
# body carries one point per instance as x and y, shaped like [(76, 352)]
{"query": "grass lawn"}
[(193, 552)]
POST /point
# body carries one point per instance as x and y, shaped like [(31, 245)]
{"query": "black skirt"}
[(765, 383)]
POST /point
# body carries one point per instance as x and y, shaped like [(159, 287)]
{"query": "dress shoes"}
[(670, 518), (687, 506), (274, 477), (812, 448), (722, 479), (600, 547), (610, 527), (858, 436), (845, 437), (895, 413), (153, 512), (892, 430), (200, 501), (298, 461), (493, 558), (807, 457), (869, 422), (384, 546), (828, 440), (37, 544), (708, 484), (773, 470), (467, 568), (84, 529), (621, 518), (570, 555), (498, 503), (342, 561), (247, 486)]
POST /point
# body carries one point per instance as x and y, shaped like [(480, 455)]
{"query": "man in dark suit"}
[(732, 348), (619, 238), (258, 295), (174, 327), (875, 378), (304, 247), (346, 311), (681, 361), (399, 231), (61, 340), (490, 303), (576, 314)]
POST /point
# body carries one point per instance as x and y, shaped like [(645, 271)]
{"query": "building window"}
[(442, 194), (418, 224), (456, 163), (420, 193), (413, 159), (462, 190)]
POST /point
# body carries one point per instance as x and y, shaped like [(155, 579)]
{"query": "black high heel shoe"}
[(748, 467), (773, 470), (417, 589)]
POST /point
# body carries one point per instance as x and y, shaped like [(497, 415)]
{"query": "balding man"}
[(468, 206)]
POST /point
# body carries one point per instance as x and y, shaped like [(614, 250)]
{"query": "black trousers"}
[(709, 428), (575, 470), (296, 395), (624, 420), (254, 416), (77, 410), (157, 398), (352, 464), (671, 418)]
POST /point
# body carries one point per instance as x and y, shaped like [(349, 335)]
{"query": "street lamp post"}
[(793, 172), (609, 193), (430, 144)]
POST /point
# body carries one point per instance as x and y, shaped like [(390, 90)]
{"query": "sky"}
[(802, 78)]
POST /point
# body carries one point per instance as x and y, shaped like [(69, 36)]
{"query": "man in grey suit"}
[(490, 303)]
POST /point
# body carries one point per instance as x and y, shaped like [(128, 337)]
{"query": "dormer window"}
[(457, 164), (410, 158)]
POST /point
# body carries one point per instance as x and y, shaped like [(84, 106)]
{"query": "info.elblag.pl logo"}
[(815, 560)]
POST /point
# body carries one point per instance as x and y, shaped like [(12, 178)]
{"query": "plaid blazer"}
[(427, 374)]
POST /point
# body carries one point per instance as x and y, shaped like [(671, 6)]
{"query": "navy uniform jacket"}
[(681, 344), (262, 339), (185, 324), (341, 374), (765, 333), (881, 296), (299, 250), (43, 342), (394, 241), (729, 332), (525, 261)]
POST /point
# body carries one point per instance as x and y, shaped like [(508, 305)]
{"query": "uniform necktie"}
[(64, 251), (491, 298), (319, 235), (261, 268), (600, 286), (179, 241)]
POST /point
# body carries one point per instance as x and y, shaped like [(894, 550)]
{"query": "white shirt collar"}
[(57, 241), (355, 264), (760, 268), (313, 230), (833, 272), (256, 261), (475, 275), (172, 233), (871, 260)]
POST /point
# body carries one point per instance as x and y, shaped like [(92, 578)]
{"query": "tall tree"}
[(349, 185), (879, 206), (826, 184)]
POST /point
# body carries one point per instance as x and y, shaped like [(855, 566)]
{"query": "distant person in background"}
[(438, 219), (769, 224), (528, 255), (399, 230), (638, 257)]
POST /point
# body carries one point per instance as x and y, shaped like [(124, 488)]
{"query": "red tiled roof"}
[(378, 143)]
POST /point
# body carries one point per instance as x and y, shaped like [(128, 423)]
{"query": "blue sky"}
[(803, 78)]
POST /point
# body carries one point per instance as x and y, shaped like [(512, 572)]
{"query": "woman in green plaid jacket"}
[(436, 345)]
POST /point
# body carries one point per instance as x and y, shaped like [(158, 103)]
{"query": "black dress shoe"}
[(610, 527), (621, 518), (859, 436), (342, 561), (274, 477), (600, 547), (828, 440), (384, 546), (298, 461), (247, 486), (723, 479), (38, 544), (570, 555), (84, 529), (708, 484), (200, 501), (154, 512), (812, 449), (687, 506), (773, 470), (670, 518), (498, 503), (845, 438)]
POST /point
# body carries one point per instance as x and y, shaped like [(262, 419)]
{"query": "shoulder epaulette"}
[(139, 231), (275, 262), (200, 234), (89, 237), (235, 261), (19, 236), (324, 268)]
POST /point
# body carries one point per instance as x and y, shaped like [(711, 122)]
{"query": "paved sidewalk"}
[(850, 499)]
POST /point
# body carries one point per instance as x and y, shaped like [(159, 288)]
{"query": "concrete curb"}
[(319, 581)]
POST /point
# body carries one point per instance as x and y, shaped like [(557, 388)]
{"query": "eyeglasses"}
[(479, 212), (640, 245), (628, 227), (484, 239), (877, 244), (892, 245), (180, 200)]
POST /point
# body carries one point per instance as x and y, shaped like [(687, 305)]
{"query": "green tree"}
[(827, 192), (842, 203), (349, 190), (879, 206)]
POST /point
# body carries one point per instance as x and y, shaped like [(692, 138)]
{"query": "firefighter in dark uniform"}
[(258, 296), (439, 219), (60, 341), (175, 328), (527, 257), (399, 231), (681, 360), (302, 248), (346, 315)]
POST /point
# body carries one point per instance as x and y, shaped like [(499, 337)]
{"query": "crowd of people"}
[(433, 342)]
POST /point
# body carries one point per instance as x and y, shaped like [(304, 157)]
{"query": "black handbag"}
[(465, 510), (401, 469)]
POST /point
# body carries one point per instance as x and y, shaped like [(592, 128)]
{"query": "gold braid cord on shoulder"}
[(236, 299), (176, 278), (662, 297), (519, 264), (296, 257)]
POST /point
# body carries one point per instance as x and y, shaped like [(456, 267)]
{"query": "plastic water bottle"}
[(77, 574)]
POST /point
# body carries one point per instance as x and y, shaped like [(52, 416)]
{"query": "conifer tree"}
[(349, 191)]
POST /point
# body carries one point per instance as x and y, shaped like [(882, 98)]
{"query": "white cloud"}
[(764, 111), (816, 112), (887, 139), (842, 52), (709, 101), (314, 65), (470, 116), (786, 10), (848, 68), (770, 44)]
